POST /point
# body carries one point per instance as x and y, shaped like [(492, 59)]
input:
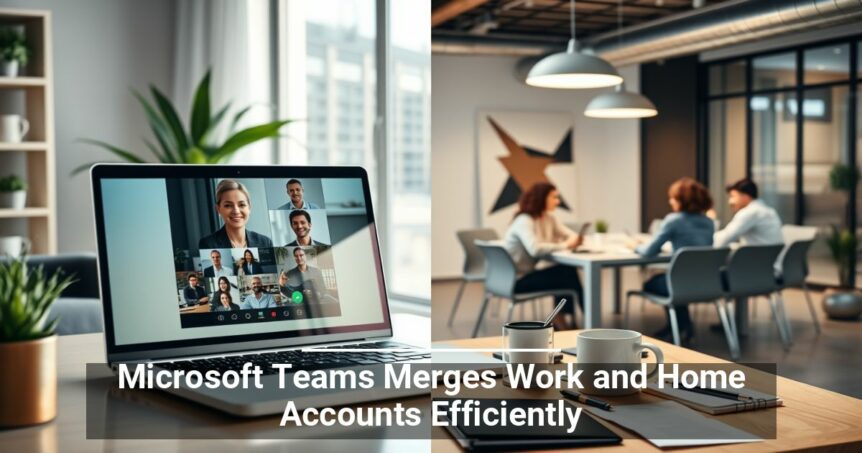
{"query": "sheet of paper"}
[(670, 424)]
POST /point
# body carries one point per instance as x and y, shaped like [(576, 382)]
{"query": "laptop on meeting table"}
[(183, 289)]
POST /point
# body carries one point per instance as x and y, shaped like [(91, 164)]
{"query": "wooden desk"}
[(812, 418), (67, 433)]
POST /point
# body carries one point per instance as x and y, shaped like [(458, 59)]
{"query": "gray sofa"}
[(79, 306)]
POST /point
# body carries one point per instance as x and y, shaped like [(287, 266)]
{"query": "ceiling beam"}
[(452, 9)]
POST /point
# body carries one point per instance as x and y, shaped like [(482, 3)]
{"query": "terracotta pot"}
[(28, 386)]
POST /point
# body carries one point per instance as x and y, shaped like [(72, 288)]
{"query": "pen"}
[(575, 396), (718, 393)]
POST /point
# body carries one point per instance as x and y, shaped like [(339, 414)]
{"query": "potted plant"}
[(13, 192), (13, 51), (28, 344), (199, 142), (601, 226), (844, 302)]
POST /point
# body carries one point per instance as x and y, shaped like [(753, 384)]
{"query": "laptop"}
[(211, 266)]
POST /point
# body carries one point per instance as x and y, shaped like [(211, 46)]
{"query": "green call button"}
[(296, 296)]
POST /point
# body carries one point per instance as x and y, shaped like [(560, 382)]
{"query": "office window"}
[(796, 132), (827, 64), (774, 71), (726, 150), (410, 91), (727, 78), (328, 75), (773, 159), (824, 145)]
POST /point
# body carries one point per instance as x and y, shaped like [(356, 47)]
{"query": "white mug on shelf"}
[(14, 245), (13, 128)]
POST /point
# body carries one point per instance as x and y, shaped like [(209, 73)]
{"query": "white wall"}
[(101, 49), (607, 152)]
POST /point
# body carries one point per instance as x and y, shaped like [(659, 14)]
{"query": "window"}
[(774, 71), (328, 65), (789, 128), (827, 64)]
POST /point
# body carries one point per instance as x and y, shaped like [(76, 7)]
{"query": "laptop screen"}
[(204, 260)]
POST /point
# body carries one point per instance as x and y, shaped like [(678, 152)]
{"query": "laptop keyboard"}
[(305, 360)]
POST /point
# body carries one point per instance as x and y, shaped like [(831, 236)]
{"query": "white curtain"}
[(232, 37)]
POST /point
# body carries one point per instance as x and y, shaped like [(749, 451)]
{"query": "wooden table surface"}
[(812, 418)]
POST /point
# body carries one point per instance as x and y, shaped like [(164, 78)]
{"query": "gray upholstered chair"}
[(474, 261), (751, 273), (793, 270), (79, 307), (500, 277), (694, 275)]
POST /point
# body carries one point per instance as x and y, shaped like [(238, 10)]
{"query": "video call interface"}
[(260, 250)]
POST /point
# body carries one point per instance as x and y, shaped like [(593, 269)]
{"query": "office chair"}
[(474, 261), (500, 277), (694, 275)]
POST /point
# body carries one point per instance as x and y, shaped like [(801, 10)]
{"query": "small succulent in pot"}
[(14, 52), (13, 192)]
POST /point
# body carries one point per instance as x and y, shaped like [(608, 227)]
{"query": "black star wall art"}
[(526, 165)]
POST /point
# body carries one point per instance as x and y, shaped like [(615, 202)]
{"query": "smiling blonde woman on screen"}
[(233, 204)]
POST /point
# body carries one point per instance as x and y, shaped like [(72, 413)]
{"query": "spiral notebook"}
[(715, 405)]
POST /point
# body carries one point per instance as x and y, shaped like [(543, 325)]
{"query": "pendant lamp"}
[(572, 69), (620, 103)]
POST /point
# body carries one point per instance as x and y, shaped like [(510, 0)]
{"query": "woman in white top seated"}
[(534, 234)]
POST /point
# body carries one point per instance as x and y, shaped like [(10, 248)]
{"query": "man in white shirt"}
[(217, 270), (258, 298), (754, 223)]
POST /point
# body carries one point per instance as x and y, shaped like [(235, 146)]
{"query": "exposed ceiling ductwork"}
[(695, 31), (721, 25)]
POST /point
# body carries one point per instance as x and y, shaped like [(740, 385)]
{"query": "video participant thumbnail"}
[(307, 275)]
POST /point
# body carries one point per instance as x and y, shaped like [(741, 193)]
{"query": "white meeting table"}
[(611, 253)]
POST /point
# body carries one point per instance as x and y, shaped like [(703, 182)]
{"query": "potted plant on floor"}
[(844, 302), (13, 192), (199, 143), (28, 344), (13, 51)]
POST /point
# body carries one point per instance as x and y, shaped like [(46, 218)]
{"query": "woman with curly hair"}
[(534, 234), (687, 225)]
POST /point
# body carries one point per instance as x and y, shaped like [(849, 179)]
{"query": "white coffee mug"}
[(528, 335), (13, 245), (13, 128), (612, 349)]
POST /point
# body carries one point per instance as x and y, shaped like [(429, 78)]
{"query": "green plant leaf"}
[(172, 119), (196, 156), (213, 125), (237, 118), (248, 136), (172, 153), (168, 159), (127, 156), (200, 115), (26, 297), (121, 153)]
